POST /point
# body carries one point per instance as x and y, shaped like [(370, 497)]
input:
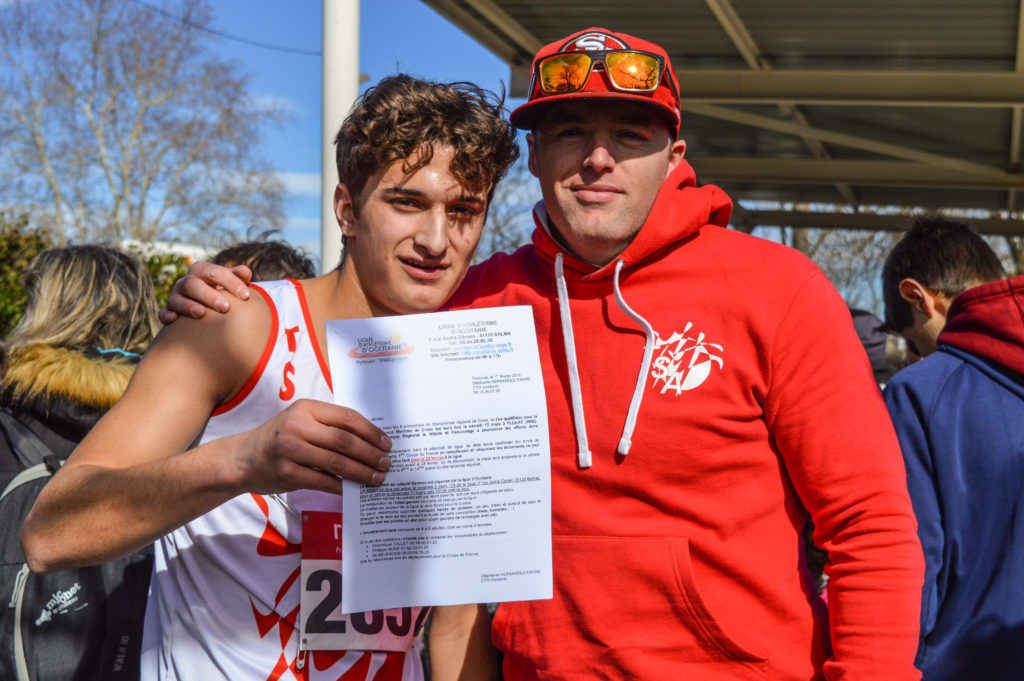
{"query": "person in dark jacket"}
[(877, 344), (91, 313), (959, 416)]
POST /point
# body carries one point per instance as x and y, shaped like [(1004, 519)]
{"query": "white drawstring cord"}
[(582, 449), (625, 442)]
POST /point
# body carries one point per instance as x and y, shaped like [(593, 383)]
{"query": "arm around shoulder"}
[(201, 288)]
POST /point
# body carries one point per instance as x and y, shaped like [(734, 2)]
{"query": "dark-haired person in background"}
[(959, 415), (937, 260), (268, 259)]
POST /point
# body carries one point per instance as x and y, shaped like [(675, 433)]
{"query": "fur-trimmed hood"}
[(58, 394), (47, 374)]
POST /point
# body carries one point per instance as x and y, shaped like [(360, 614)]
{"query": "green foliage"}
[(164, 268), (19, 244)]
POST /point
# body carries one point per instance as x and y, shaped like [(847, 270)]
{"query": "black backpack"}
[(83, 624)]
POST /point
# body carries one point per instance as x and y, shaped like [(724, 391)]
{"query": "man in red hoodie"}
[(711, 392)]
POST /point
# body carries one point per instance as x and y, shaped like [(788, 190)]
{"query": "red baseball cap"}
[(663, 99)]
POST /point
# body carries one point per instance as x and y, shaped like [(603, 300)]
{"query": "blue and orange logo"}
[(372, 346)]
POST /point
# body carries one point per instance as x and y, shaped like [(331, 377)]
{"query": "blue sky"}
[(395, 35)]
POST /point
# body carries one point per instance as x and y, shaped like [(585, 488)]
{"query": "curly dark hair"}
[(402, 115), (269, 259)]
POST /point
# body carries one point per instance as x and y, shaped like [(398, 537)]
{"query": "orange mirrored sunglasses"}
[(628, 71)]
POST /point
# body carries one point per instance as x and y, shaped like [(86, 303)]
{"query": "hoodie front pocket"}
[(623, 607)]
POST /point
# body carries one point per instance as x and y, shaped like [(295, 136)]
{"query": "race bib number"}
[(324, 627)]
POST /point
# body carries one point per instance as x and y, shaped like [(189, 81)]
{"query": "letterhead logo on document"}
[(371, 346)]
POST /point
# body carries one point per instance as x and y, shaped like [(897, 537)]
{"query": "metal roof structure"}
[(817, 113)]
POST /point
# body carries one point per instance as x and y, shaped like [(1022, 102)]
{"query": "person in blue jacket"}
[(959, 415)]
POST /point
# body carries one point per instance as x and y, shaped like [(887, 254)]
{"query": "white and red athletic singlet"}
[(224, 600)]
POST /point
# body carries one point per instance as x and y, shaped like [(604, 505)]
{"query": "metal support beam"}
[(842, 139), (526, 41), (871, 173), (733, 25), (737, 31), (870, 221), (852, 88), (514, 47), (1017, 120)]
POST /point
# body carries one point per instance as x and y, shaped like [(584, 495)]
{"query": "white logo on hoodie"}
[(683, 362)]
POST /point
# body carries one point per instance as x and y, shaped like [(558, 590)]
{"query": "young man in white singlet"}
[(227, 431)]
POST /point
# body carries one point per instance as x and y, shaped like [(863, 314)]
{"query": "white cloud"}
[(301, 184), (271, 102)]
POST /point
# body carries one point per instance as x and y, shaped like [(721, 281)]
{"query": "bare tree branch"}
[(125, 125), (510, 216)]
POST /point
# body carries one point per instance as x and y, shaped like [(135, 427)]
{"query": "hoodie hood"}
[(680, 209), (988, 321)]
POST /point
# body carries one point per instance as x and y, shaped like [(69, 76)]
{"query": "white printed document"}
[(464, 514)]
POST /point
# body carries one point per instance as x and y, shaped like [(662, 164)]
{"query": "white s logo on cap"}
[(590, 41)]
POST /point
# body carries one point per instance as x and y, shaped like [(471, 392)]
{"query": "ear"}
[(344, 210), (676, 153), (922, 299), (531, 158)]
